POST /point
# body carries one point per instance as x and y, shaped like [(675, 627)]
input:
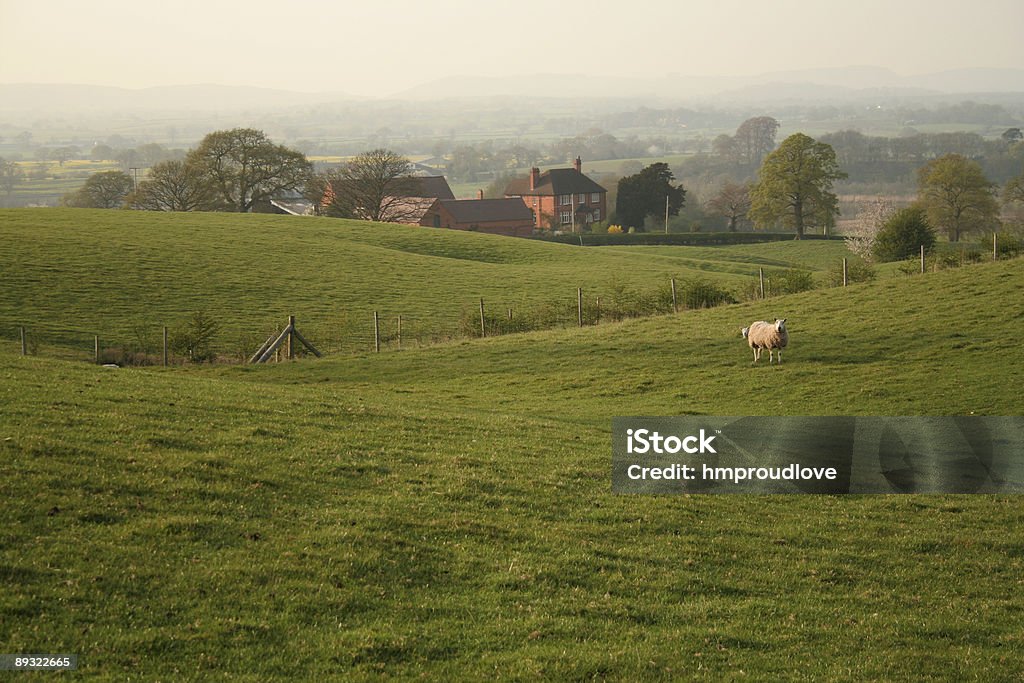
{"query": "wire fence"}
[(201, 337)]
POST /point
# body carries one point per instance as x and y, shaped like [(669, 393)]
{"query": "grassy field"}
[(446, 512), (70, 274)]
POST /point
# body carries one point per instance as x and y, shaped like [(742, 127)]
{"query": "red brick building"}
[(507, 216), (561, 198)]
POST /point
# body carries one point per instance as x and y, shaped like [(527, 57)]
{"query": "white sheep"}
[(765, 335)]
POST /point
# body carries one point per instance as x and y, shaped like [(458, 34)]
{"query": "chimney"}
[(479, 194), (578, 165), (534, 178)]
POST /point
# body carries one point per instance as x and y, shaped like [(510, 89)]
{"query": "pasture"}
[(71, 274), (446, 511)]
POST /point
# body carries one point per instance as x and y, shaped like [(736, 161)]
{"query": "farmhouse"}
[(507, 216), (561, 198)]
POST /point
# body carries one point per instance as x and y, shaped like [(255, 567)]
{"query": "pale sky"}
[(378, 47)]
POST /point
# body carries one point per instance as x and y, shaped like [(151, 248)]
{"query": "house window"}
[(595, 197), (583, 199), (597, 214), (566, 217), (566, 200)]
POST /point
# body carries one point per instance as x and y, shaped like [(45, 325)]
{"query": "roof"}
[(433, 186), (487, 210), (557, 181)]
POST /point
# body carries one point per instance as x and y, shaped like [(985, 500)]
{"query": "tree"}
[(644, 194), (731, 201), (374, 186), (903, 235), (862, 235), (957, 196), (244, 167), (1012, 135), (173, 186), (1014, 190), (755, 138), (10, 174), (795, 185), (103, 190)]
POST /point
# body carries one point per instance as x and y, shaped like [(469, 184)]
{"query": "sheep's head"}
[(745, 331), (780, 324)]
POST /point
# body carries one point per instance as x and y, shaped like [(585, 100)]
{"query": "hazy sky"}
[(378, 47)]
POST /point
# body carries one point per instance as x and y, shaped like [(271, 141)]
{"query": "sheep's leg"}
[(770, 352), (780, 356)]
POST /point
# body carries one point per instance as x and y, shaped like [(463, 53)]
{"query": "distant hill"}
[(23, 97)]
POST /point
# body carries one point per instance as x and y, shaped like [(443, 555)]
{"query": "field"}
[(71, 274), (446, 512)]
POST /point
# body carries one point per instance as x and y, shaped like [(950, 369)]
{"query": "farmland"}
[(71, 274), (446, 511)]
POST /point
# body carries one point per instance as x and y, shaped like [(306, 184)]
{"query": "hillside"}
[(70, 274), (447, 511)]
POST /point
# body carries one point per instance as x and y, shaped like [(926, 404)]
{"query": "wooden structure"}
[(289, 335)]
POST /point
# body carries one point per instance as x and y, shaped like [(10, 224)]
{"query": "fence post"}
[(598, 311), (399, 333), (510, 315), (845, 278), (760, 278), (376, 332), (483, 328), (96, 348), (291, 337), (675, 307), (922, 258), (24, 347), (579, 305), (995, 254), (165, 346)]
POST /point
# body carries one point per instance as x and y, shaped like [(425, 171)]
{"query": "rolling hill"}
[(446, 511)]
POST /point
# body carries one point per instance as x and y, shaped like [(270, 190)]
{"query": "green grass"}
[(446, 512), (70, 274)]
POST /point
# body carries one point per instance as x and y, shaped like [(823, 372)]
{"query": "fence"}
[(203, 338)]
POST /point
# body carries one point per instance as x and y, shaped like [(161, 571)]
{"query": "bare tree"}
[(244, 167), (374, 186), (103, 190), (731, 201), (173, 186)]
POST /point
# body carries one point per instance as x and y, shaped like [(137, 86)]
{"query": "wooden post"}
[(24, 346), (483, 328), (376, 332), (598, 310), (165, 346), (579, 305), (291, 337), (845, 276), (399, 333), (922, 258), (666, 214), (675, 306), (96, 348), (995, 254), (510, 315), (760, 277)]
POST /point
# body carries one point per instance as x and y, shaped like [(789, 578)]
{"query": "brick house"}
[(561, 198), (507, 216)]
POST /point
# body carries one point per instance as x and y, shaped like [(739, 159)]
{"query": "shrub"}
[(702, 294), (856, 271), (902, 235), (791, 281), (194, 339), (614, 230), (1007, 245)]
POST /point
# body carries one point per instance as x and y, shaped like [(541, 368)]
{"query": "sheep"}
[(765, 335)]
